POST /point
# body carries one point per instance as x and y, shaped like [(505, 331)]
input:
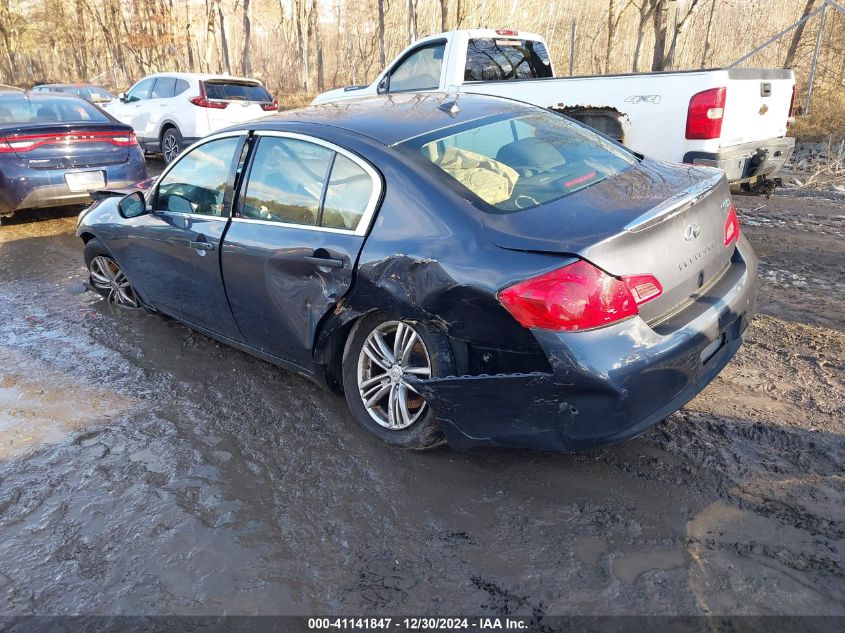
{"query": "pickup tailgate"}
[(757, 105)]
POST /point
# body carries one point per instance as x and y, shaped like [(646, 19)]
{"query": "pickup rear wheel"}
[(382, 354), (171, 144)]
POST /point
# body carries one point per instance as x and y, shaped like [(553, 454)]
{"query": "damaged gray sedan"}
[(474, 271)]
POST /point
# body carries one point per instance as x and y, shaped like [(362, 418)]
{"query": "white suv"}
[(169, 111)]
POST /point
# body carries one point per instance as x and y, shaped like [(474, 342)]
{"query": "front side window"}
[(420, 70), (140, 91), (286, 181), (514, 162), (197, 182), (491, 59)]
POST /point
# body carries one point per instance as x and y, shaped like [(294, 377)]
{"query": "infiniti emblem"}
[(692, 232)]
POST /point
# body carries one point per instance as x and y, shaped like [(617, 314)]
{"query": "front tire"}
[(106, 277), (171, 144), (381, 353)]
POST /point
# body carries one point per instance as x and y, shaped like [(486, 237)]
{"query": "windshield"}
[(44, 109), (517, 162)]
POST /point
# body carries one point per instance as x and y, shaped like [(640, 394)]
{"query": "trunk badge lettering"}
[(692, 232)]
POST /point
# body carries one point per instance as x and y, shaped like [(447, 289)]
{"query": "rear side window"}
[(234, 91), (297, 182), (347, 196), (490, 59), (49, 110), (181, 86), (286, 181), (163, 88), (509, 163)]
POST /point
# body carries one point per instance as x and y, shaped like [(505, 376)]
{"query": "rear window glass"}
[(491, 59), (46, 110), (236, 92), (510, 162)]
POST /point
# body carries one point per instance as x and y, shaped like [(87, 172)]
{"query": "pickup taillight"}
[(705, 114)]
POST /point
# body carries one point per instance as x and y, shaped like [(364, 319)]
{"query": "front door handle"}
[(325, 262), (202, 246)]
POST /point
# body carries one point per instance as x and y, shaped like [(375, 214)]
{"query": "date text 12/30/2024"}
[(418, 624)]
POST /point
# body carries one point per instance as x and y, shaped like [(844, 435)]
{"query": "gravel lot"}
[(147, 469)]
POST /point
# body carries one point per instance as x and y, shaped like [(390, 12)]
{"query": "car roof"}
[(391, 119), (200, 76), (67, 85)]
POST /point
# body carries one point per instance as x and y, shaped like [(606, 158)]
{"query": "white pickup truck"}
[(734, 119)]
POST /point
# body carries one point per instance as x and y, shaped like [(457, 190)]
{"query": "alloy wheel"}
[(171, 148), (107, 276), (392, 352)]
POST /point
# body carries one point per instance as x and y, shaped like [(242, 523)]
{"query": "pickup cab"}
[(731, 118)]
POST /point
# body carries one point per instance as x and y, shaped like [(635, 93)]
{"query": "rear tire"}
[(172, 144), (380, 353)]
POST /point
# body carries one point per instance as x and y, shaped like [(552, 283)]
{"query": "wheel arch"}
[(166, 125)]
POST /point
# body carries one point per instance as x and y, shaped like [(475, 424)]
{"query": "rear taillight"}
[(30, 142), (270, 107), (577, 297), (202, 101), (731, 227), (705, 114)]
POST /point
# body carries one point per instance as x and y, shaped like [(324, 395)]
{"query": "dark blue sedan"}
[(55, 149), (477, 271)]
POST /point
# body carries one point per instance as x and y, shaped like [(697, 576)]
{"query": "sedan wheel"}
[(382, 356), (392, 352), (109, 281)]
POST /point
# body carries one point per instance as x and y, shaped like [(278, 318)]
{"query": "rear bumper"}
[(24, 188), (743, 162), (608, 384)]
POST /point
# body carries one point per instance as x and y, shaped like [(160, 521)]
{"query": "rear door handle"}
[(202, 246), (325, 262)]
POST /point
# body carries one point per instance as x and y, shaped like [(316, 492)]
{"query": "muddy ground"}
[(147, 469)]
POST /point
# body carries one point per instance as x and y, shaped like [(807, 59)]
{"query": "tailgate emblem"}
[(692, 232)]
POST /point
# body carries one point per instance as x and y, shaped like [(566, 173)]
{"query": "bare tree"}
[(246, 65), (381, 57), (796, 36)]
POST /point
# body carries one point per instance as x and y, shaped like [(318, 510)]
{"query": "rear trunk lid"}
[(757, 104), (245, 101), (653, 218), (69, 145)]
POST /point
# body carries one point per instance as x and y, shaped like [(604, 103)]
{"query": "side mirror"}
[(132, 205), (122, 97), (382, 86)]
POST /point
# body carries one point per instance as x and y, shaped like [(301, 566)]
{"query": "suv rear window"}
[(48, 110), (233, 91), (513, 162), (493, 59)]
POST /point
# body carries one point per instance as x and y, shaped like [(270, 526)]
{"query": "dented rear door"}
[(289, 255)]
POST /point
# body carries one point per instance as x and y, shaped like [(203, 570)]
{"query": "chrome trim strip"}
[(309, 227), (367, 217), (675, 204)]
